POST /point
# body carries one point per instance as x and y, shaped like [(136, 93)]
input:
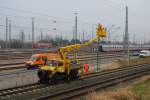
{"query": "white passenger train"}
[(115, 47)]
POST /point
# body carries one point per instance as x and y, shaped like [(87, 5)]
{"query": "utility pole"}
[(76, 22), (22, 37), (83, 36), (73, 36), (6, 46), (98, 53), (32, 33), (41, 35), (101, 33), (79, 37), (92, 35), (109, 33), (92, 31), (126, 38), (61, 42), (9, 40), (9, 34), (29, 38), (144, 39)]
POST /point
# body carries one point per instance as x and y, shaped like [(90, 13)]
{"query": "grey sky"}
[(107, 12)]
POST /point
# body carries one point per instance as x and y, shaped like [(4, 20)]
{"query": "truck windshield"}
[(54, 63), (35, 58), (143, 52)]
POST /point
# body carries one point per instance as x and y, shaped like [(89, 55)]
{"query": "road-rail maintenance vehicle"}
[(63, 68)]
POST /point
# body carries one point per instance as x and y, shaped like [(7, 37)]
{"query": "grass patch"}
[(120, 94), (136, 61), (142, 90), (139, 90)]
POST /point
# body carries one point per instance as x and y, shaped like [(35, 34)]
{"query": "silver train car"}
[(121, 48)]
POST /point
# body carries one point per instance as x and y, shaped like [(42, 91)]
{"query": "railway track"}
[(28, 55), (19, 65), (5, 57), (71, 56), (79, 87), (98, 84)]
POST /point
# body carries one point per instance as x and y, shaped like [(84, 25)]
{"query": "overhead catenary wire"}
[(109, 3), (117, 8), (54, 17), (58, 18), (40, 14), (60, 22), (36, 13)]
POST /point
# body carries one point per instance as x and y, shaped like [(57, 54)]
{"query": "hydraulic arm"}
[(64, 50), (99, 33)]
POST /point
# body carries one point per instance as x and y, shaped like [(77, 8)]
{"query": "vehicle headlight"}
[(61, 70), (80, 72), (32, 63)]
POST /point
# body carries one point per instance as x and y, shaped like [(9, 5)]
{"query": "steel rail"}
[(79, 57), (5, 94), (95, 85), (10, 67), (5, 57)]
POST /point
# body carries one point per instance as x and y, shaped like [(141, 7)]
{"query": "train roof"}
[(109, 45)]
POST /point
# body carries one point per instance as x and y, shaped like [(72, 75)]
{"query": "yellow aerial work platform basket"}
[(101, 32)]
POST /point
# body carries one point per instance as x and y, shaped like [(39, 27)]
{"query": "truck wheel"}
[(28, 67), (43, 76), (74, 75), (36, 67)]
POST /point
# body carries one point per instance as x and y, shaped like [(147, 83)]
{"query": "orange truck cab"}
[(38, 60)]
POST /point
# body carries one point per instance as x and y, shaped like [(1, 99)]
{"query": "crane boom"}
[(99, 33), (64, 50)]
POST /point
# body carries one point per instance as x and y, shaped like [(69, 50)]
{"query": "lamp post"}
[(110, 33), (32, 33), (76, 31), (76, 22)]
